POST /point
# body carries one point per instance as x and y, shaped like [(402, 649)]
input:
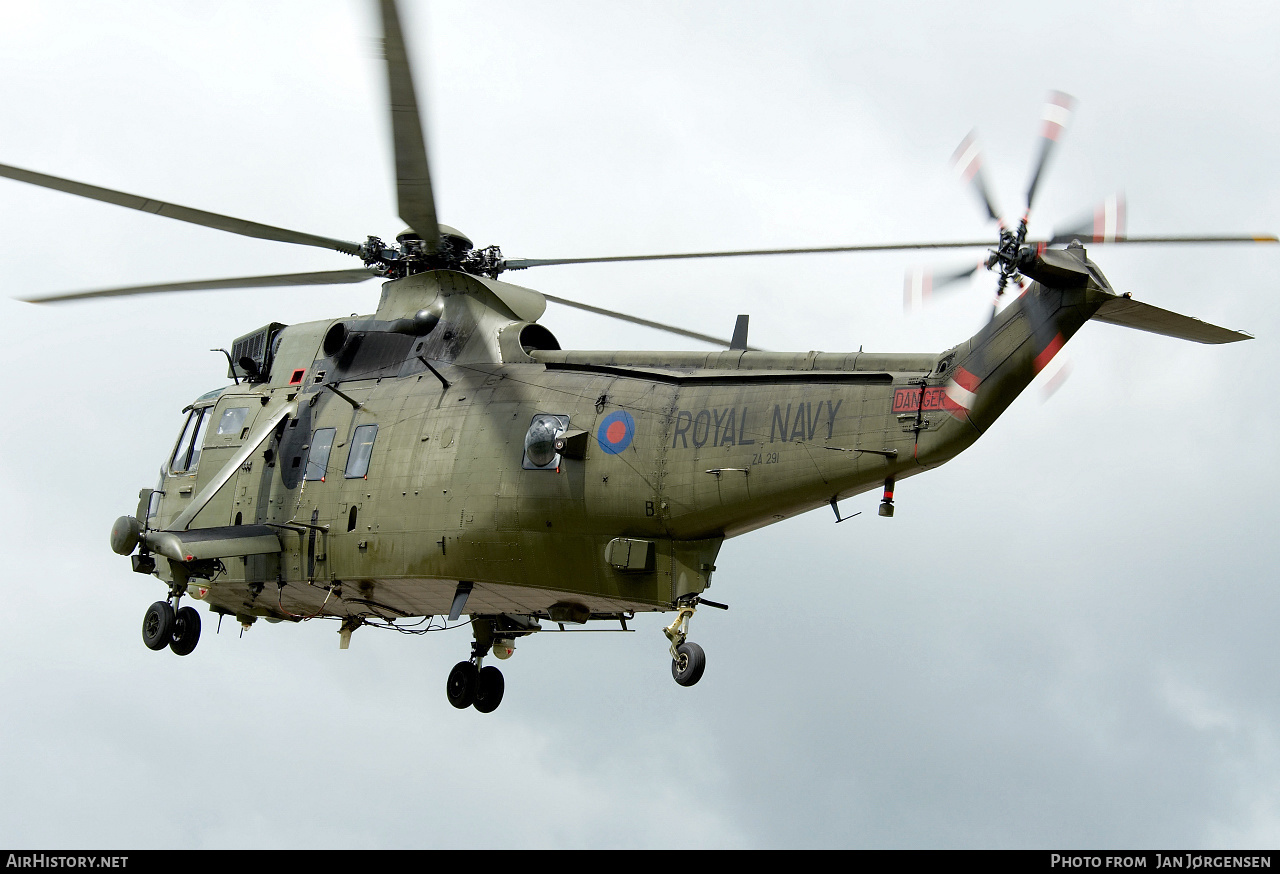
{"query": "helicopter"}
[(443, 457)]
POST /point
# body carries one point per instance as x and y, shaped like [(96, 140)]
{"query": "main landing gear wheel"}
[(689, 663), (489, 689), (461, 687), (157, 625), (186, 631), (687, 658)]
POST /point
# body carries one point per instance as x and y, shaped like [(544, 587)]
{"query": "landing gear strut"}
[(687, 658)]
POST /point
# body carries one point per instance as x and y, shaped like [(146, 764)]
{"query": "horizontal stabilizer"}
[(1130, 313)]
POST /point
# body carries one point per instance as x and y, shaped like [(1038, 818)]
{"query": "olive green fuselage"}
[(665, 455)]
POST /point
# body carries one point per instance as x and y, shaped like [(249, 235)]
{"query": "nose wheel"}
[(177, 629), (186, 631), (157, 625), (471, 685), (489, 689), (461, 685)]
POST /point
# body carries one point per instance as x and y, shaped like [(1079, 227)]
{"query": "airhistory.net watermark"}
[(44, 860)]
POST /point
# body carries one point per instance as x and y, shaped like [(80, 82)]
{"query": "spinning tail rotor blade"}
[(1048, 339), (1057, 373), (921, 283), (1057, 114), (417, 205), (1048, 344), (967, 160), (1105, 225), (327, 277), (181, 213)]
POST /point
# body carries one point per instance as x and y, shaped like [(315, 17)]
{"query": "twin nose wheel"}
[(471, 687), (161, 627)]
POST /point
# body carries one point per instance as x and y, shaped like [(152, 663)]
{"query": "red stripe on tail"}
[(1049, 351), (965, 379)]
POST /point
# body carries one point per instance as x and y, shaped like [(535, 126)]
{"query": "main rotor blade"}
[(636, 320), (327, 277), (523, 263), (1227, 238), (181, 213), (413, 173)]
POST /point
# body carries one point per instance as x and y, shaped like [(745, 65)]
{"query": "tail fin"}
[(1130, 313), (987, 372)]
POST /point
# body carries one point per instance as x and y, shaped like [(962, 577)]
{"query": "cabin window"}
[(361, 451), (232, 420), (318, 455), (186, 455)]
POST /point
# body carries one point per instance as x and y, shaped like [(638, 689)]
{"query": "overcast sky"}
[(1064, 638)]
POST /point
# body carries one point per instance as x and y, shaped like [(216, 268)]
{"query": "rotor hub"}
[(454, 251)]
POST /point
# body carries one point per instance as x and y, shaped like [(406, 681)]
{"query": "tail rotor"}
[(1010, 250), (921, 283), (1106, 224), (1058, 109), (967, 161)]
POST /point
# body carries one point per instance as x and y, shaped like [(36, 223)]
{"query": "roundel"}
[(615, 432)]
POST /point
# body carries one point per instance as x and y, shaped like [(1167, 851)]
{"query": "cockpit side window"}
[(182, 452), (198, 443), (232, 420), (186, 455)]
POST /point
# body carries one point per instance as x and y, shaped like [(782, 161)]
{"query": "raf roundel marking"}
[(615, 432)]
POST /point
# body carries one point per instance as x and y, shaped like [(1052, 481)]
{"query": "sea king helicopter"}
[(444, 458)]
